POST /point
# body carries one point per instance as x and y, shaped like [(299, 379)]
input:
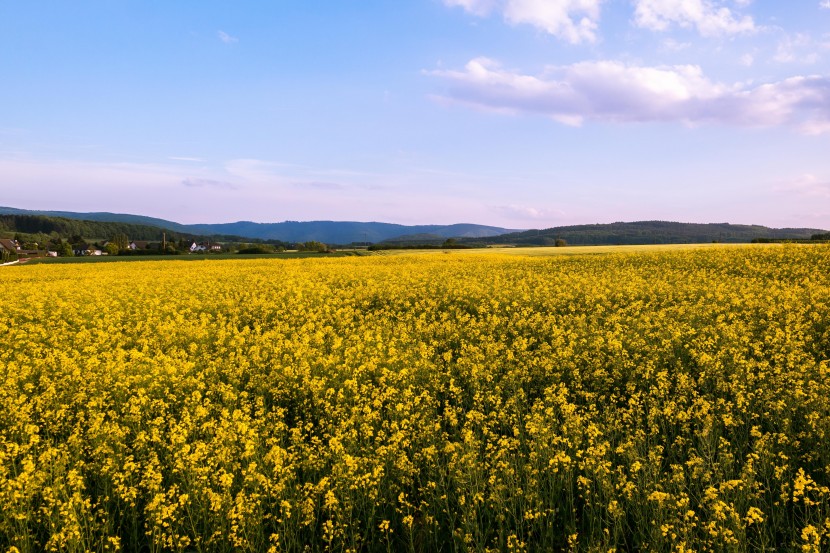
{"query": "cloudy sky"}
[(518, 113)]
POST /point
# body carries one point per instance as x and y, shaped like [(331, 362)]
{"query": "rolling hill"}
[(648, 232)]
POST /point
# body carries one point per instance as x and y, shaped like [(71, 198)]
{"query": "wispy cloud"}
[(799, 48), (825, 5), (673, 45), (614, 91), (523, 213), (208, 183), (574, 21), (258, 172), (319, 185), (226, 38), (274, 174), (182, 158), (709, 18), (807, 184), (88, 186)]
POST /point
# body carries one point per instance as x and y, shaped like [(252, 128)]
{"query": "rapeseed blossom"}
[(655, 401)]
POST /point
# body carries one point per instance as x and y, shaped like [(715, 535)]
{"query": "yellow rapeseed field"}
[(671, 400)]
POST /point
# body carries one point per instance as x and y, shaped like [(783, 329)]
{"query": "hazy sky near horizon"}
[(517, 113)]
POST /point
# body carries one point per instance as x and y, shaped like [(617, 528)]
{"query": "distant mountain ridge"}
[(330, 232), (347, 232)]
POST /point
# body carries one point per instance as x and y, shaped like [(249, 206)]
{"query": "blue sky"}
[(518, 113)]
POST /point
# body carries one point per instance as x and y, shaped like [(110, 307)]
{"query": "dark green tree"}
[(6, 255), (312, 246), (120, 240)]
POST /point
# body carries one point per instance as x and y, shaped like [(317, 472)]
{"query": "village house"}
[(9, 245), (138, 245), (204, 247), (86, 249)]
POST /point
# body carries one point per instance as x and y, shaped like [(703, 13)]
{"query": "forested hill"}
[(89, 230), (649, 232), (103, 217)]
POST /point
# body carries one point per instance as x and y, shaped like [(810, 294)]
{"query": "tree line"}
[(67, 236)]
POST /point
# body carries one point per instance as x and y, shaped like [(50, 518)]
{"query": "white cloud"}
[(825, 5), (574, 21), (615, 92), (226, 38), (709, 17)]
